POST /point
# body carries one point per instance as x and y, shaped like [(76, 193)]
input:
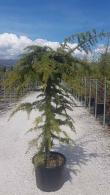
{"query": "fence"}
[(9, 97), (95, 95), (92, 93)]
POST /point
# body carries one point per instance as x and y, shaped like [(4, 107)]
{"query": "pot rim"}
[(54, 152)]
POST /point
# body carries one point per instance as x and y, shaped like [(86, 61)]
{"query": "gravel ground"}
[(88, 161)]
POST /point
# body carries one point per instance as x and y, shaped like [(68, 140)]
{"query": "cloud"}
[(11, 45), (43, 42)]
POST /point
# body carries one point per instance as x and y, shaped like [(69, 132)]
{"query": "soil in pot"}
[(50, 176)]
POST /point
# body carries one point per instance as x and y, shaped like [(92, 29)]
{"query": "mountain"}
[(8, 62)]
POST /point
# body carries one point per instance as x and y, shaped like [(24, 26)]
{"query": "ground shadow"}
[(4, 107), (76, 157)]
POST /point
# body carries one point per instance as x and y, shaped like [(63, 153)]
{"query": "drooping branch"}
[(84, 41)]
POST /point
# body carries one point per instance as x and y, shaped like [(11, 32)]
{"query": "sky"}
[(24, 22)]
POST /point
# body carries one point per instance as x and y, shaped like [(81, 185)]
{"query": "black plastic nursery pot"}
[(50, 179), (100, 108), (92, 101)]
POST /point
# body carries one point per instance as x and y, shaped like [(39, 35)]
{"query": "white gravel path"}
[(88, 161)]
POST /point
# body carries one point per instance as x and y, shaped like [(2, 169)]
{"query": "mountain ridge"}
[(7, 62)]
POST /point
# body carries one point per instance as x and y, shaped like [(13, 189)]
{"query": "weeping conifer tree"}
[(55, 72), (49, 69)]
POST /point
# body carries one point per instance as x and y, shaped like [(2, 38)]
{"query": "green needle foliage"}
[(103, 66), (55, 72), (50, 69), (85, 41)]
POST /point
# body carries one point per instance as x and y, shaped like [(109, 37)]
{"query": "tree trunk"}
[(47, 134)]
